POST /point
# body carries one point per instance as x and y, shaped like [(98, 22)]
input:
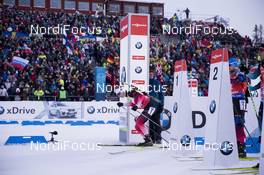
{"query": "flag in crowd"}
[(254, 76), (110, 60), (19, 63)]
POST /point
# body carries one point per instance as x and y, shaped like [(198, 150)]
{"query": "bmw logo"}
[(226, 148), (212, 106), (138, 45), (2, 109), (138, 70), (185, 140), (175, 107), (90, 109)]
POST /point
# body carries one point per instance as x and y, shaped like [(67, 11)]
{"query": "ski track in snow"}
[(22, 160)]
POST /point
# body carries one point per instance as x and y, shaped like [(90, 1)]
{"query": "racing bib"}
[(242, 104), (151, 110)]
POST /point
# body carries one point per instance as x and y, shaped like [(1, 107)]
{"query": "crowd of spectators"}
[(62, 66)]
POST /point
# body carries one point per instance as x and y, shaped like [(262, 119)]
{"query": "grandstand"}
[(53, 64), (118, 8)]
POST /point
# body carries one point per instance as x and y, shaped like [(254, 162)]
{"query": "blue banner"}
[(100, 83), (15, 34), (93, 37)]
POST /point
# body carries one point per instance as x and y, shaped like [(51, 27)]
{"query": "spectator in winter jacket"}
[(3, 93), (39, 93)]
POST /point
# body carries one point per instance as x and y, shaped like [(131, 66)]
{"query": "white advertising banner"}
[(182, 133), (200, 110), (42, 110), (134, 65), (138, 61), (220, 136), (124, 75), (193, 85), (100, 110), (139, 49)]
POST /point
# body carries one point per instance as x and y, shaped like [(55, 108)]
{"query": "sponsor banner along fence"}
[(17, 112), (41, 113), (104, 110), (12, 112), (200, 110)]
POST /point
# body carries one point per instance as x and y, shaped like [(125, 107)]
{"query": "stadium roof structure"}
[(113, 7), (144, 1)]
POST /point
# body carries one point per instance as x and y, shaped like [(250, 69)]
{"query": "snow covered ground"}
[(27, 160)]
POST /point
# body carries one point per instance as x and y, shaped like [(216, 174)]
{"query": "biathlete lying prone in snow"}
[(149, 105)]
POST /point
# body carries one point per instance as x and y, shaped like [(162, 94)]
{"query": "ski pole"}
[(151, 121), (255, 146), (152, 130), (243, 121), (254, 106), (157, 100)]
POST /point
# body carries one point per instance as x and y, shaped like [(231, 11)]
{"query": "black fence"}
[(55, 98)]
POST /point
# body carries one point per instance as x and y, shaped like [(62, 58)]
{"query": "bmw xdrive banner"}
[(55, 110), (40, 110)]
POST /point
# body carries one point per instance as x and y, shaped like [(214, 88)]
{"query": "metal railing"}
[(54, 98)]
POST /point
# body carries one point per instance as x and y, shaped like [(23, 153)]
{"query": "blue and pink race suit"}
[(149, 106), (239, 88)]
